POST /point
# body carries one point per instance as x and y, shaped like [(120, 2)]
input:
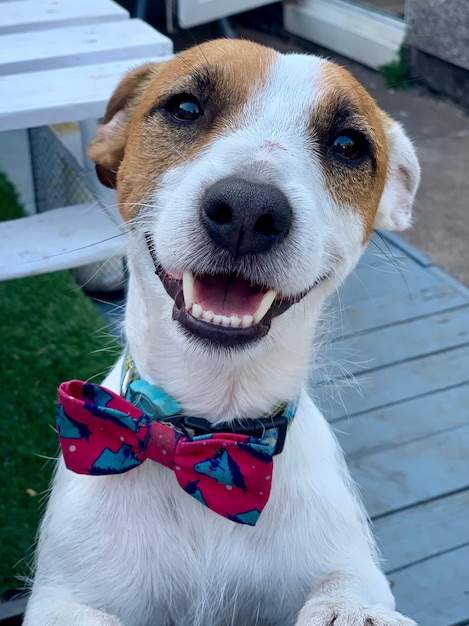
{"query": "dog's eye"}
[(350, 146), (184, 108)]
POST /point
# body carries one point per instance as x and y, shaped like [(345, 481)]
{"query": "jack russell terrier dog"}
[(200, 485)]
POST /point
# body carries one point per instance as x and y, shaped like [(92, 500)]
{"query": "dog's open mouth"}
[(225, 309)]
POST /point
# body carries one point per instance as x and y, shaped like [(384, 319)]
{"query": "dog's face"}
[(251, 182)]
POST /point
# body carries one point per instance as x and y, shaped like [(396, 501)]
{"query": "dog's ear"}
[(108, 147), (395, 209)]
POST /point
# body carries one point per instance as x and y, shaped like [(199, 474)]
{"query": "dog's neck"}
[(216, 385)]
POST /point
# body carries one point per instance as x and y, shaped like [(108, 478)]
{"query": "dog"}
[(250, 182)]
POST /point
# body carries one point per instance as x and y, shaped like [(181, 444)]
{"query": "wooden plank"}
[(58, 239), (410, 251), (13, 608), (436, 591), (384, 429), (368, 282), (80, 45), (28, 15), (194, 13), (442, 275), (369, 37), (384, 255), (393, 384), (385, 346), (64, 95), (387, 309), (414, 472), (423, 531)]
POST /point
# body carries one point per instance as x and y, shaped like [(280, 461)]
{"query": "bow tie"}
[(102, 433)]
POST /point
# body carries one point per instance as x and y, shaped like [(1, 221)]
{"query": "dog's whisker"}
[(390, 269), (394, 260), (98, 376), (47, 458), (114, 307), (101, 267)]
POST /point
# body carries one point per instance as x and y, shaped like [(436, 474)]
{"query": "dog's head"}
[(251, 182)]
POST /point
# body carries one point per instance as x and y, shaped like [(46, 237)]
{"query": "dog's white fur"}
[(136, 550)]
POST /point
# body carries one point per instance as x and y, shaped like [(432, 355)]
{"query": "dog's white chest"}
[(173, 562)]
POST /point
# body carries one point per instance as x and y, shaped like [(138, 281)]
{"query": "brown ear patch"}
[(345, 105), (108, 147)]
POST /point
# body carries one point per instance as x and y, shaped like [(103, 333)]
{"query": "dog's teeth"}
[(207, 316), (232, 321), (247, 321), (235, 321), (197, 310), (264, 306), (188, 289)]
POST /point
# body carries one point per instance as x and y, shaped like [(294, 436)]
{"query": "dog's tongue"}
[(227, 295)]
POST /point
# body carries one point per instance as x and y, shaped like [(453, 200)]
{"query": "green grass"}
[(397, 73), (49, 332)]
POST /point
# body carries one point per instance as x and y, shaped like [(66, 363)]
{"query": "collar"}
[(159, 405), (227, 467)]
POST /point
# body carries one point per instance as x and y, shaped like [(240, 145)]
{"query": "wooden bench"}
[(59, 62)]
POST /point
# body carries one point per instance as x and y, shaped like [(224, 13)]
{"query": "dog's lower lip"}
[(217, 332)]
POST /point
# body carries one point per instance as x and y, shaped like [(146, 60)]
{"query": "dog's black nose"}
[(245, 217)]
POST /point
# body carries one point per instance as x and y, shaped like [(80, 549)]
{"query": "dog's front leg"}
[(53, 607), (342, 599)]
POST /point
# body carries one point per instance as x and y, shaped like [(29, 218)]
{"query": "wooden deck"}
[(393, 379)]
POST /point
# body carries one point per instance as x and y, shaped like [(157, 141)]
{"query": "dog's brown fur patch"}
[(108, 147), (346, 104), (147, 142)]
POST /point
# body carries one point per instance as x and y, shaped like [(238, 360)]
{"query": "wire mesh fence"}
[(58, 182)]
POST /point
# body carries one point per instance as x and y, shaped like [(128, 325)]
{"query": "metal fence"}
[(58, 182)]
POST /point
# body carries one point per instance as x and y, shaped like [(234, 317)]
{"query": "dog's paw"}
[(98, 618), (340, 612)]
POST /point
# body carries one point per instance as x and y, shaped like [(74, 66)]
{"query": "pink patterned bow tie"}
[(229, 472)]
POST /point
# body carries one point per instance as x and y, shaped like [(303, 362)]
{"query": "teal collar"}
[(157, 404)]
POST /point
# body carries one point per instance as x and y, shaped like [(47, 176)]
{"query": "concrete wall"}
[(440, 28), (437, 46)]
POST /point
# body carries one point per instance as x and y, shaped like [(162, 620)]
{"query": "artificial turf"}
[(49, 332)]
